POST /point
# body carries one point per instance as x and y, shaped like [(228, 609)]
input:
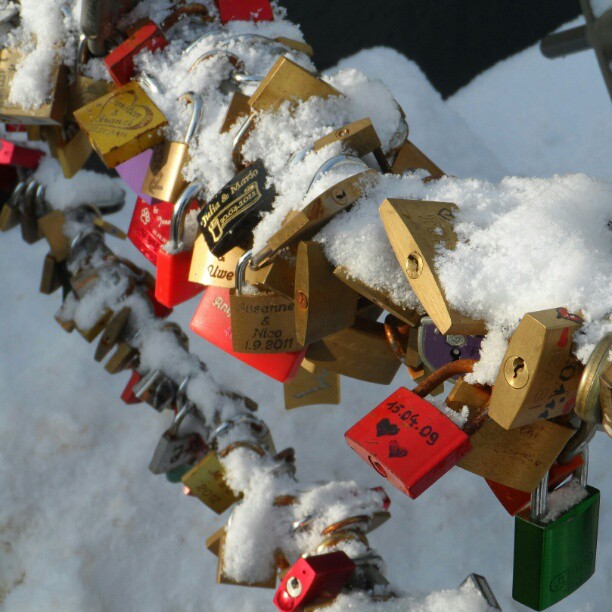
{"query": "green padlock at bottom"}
[(552, 560)]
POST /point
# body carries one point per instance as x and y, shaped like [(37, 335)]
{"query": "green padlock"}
[(553, 559)]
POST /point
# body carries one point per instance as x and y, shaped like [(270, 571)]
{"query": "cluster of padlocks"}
[(287, 312)]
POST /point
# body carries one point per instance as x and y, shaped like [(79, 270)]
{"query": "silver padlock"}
[(157, 390)]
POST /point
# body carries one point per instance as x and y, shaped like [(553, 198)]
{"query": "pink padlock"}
[(172, 284), (212, 321), (133, 173)]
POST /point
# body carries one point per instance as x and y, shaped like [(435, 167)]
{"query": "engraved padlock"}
[(164, 179), (172, 285), (150, 227)]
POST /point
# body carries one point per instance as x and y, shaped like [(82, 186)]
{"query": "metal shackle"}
[(150, 83), (202, 38), (343, 159), (17, 195), (197, 106), (241, 267), (179, 212), (232, 57)]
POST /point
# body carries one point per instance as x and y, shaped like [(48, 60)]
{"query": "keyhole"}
[(339, 196), (516, 372), (414, 265)]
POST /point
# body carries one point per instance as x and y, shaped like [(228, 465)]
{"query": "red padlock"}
[(128, 395), (12, 154), (150, 227), (514, 501), (408, 441), (313, 580), (212, 321), (120, 61), (172, 285), (159, 310), (245, 10)]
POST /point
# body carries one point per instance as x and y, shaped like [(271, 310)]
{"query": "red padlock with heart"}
[(245, 10), (314, 580), (150, 227), (172, 285), (408, 440)]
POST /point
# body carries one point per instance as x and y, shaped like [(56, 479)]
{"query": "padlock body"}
[(128, 395), (120, 61), (245, 10), (174, 451), (164, 179), (150, 227), (551, 561), (172, 285), (133, 172), (15, 155), (212, 321), (408, 441)]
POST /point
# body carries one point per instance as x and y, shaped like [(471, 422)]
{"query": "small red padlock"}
[(172, 285), (150, 227), (408, 441), (12, 154), (514, 501), (245, 10), (128, 395), (313, 580), (120, 61), (212, 321), (159, 310)]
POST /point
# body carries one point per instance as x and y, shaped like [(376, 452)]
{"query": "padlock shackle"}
[(240, 139), (242, 78), (232, 57), (344, 159), (83, 54), (299, 156), (577, 443), (17, 195), (150, 83), (435, 379), (197, 105), (202, 38), (241, 267), (177, 225)]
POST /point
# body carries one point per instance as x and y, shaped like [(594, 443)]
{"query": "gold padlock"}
[(125, 356), (415, 228), (91, 333), (380, 297), (51, 112), (605, 397), (410, 158), (309, 389), (316, 289), (539, 376), (588, 401), (122, 124), (113, 333), (211, 271), (52, 276), (360, 351), (476, 397), (278, 276), (164, 179)]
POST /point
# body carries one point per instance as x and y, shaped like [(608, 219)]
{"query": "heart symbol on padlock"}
[(120, 113), (386, 428), (395, 450)]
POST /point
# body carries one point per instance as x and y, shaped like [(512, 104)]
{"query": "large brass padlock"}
[(122, 124), (208, 270), (415, 228), (164, 179), (539, 376)]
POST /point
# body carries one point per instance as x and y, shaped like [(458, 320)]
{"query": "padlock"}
[(150, 227), (157, 389), (307, 222), (539, 376), (244, 10), (120, 61), (34, 207), (262, 322), (164, 179), (92, 332), (206, 481), (99, 21), (316, 288), (54, 275), (410, 158), (360, 351), (176, 450), (70, 146), (309, 389), (113, 333), (588, 398), (51, 111), (415, 228), (316, 579), (553, 558), (127, 395), (208, 270), (515, 501), (379, 296), (15, 155), (122, 124), (10, 215), (605, 398), (436, 349), (408, 441), (172, 285), (212, 321), (227, 220), (278, 276)]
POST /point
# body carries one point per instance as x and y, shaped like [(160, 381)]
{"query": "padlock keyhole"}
[(516, 372), (414, 265), (379, 468)]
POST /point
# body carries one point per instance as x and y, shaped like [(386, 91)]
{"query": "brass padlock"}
[(115, 330), (415, 228), (278, 276), (164, 179), (380, 297), (208, 270), (539, 376), (122, 124), (323, 303), (309, 389), (10, 215), (91, 333), (411, 158), (54, 275), (605, 397), (51, 112), (360, 351), (126, 356), (476, 397), (589, 406), (304, 224)]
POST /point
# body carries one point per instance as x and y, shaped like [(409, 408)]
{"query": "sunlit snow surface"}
[(85, 526)]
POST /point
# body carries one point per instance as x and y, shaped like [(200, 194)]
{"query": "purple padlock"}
[(133, 173), (437, 350)]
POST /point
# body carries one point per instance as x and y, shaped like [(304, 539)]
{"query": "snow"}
[(84, 525)]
